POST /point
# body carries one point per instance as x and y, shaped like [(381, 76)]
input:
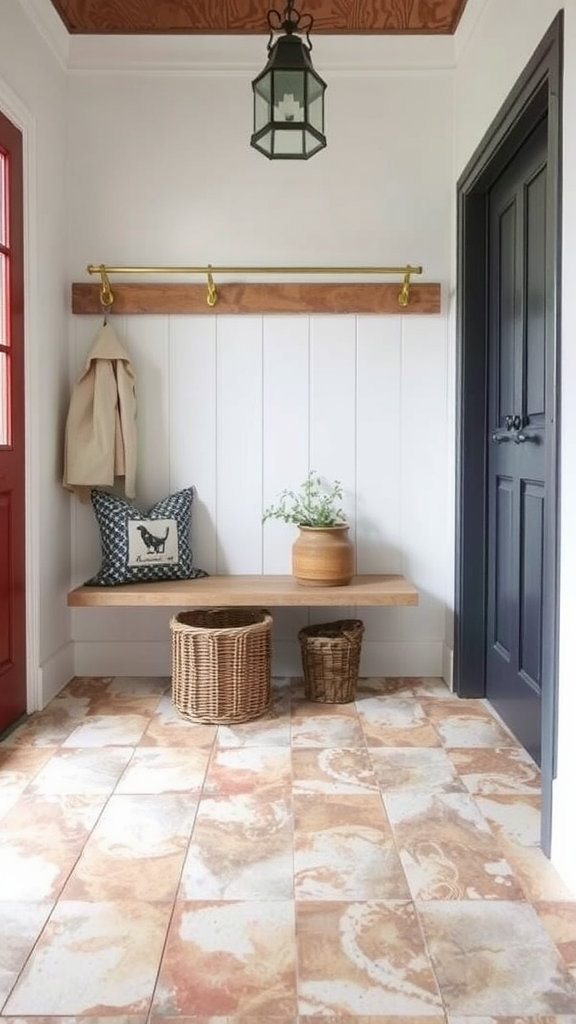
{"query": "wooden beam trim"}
[(136, 298)]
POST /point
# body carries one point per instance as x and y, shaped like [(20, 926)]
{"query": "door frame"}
[(536, 94), (17, 112)]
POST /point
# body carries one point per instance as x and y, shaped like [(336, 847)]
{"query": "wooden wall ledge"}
[(252, 590), (135, 297)]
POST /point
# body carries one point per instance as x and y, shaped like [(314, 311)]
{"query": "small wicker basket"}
[(221, 664), (331, 660)]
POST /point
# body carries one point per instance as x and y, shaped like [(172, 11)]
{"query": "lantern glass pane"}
[(288, 143), (316, 114), (289, 96), (262, 87), (265, 143), (311, 144), (315, 88), (261, 111)]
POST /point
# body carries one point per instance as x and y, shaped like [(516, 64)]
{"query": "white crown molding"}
[(234, 55), (224, 55), (471, 16), (47, 23)]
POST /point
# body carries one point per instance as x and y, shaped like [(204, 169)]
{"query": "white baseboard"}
[(153, 658), (119, 658), (448, 666), (54, 673)]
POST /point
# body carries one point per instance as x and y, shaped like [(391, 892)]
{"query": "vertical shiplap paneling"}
[(285, 454), (378, 475), (85, 553), (239, 444), (192, 412), (378, 444), (146, 339), (285, 427), (333, 414), (424, 460)]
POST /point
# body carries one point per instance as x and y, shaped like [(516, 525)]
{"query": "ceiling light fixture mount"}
[(288, 93)]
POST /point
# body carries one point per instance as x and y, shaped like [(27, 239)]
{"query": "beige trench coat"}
[(100, 438)]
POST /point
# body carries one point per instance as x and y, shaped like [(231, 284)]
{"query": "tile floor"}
[(371, 862)]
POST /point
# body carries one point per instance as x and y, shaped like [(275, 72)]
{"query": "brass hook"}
[(106, 294), (404, 296), (212, 296)]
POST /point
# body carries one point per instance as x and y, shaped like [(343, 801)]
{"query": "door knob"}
[(501, 438)]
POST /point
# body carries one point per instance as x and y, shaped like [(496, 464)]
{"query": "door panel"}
[(536, 298), (515, 446), (531, 582), (505, 339), (12, 475)]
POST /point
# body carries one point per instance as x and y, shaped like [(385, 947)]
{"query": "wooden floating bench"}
[(254, 591)]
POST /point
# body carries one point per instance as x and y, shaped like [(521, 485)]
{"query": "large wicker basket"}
[(221, 664), (331, 660)]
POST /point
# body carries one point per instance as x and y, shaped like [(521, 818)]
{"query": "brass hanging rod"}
[(107, 295)]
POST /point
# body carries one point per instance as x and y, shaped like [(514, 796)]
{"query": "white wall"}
[(33, 96), (491, 55), (161, 172)]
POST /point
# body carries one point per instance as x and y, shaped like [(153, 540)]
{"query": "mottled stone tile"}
[(375, 1019), (20, 926), (18, 768), (241, 848), (418, 686), (496, 770), (123, 1019), (154, 1019), (344, 849), (538, 878), (363, 958), (325, 725), (467, 723), (447, 849), (85, 686), (42, 838), (164, 770), (140, 686), (136, 850), (111, 703), (496, 959), (108, 731), (47, 728), (517, 815), (396, 721), (414, 770), (559, 920), (235, 770), (234, 959), (545, 1018), (110, 698), (94, 959), (272, 729), (167, 728), (22, 763), (82, 771), (332, 770)]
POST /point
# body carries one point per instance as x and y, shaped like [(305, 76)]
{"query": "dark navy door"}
[(516, 441)]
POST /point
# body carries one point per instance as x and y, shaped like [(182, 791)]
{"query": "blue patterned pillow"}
[(138, 547)]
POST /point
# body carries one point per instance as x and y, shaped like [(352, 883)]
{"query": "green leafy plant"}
[(314, 504)]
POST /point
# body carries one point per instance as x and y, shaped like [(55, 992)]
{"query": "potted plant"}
[(322, 554)]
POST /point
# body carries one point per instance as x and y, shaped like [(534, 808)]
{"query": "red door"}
[(12, 507)]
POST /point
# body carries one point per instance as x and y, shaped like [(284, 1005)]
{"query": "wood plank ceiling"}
[(349, 17)]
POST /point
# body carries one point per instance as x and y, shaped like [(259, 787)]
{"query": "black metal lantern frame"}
[(288, 93)]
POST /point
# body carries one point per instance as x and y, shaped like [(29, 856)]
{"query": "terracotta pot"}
[(323, 556)]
